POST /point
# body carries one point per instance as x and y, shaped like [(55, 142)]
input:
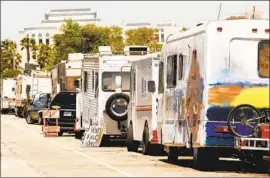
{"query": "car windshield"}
[(41, 99), (65, 100)]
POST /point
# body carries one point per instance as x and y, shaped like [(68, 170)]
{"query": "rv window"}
[(143, 85), (160, 78), (263, 61), (134, 81), (85, 77), (96, 84), (171, 71), (108, 81), (93, 81), (180, 67)]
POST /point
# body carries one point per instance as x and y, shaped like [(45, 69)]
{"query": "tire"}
[(132, 145), (172, 156), (113, 115), (146, 145), (204, 159), (229, 119), (60, 133), (78, 135), (28, 119)]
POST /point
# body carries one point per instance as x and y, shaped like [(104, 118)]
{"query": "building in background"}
[(164, 29), (51, 24)]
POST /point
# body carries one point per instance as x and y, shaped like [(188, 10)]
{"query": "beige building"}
[(51, 24)]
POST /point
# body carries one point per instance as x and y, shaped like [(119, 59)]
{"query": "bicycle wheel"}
[(243, 119)]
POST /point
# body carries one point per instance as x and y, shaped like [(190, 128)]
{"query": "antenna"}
[(219, 11)]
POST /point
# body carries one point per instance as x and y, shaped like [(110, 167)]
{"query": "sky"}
[(16, 15)]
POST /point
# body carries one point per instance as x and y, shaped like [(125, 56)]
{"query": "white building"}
[(164, 29), (51, 25)]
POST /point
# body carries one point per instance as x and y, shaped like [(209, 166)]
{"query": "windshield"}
[(41, 99), (65, 100), (108, 81)]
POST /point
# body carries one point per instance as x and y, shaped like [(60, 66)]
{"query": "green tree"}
[(10, 73), (10, 59), (143, 36), (9, 56), (70, 41), (116, 40), (45, 56), (29, 44)]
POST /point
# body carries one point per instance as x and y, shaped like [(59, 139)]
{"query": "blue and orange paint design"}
[(222, 97)]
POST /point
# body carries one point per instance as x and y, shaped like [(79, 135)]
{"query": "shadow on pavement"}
[(221, 166)]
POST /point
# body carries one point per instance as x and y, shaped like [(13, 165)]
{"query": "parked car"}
[(66, 103), (41, 101)]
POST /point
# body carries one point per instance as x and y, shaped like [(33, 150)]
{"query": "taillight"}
[(221, 129), (254, 30), (219, 29), (266, 30)]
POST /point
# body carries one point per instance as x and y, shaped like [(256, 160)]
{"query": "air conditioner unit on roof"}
[(136, 50)]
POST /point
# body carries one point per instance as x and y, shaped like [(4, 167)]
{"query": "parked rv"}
[(29, 85), (208, 71), (8, 95), (105, 91), (65, 73), (142, 109)]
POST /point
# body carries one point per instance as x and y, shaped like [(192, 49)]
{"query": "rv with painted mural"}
[(210, 70), (8, 95), (105, 92), (142, 109)]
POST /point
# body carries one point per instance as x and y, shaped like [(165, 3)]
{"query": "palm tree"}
[(29, 44), (9, 56)]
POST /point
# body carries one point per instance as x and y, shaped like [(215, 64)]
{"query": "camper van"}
[(142, 108), (105, 92), (27, 86), (208, 71), (8, 95), (66, 73)]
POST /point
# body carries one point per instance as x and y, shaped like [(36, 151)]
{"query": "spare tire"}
[(116, 106)]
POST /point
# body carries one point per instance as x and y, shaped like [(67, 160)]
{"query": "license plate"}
[(67, 113)]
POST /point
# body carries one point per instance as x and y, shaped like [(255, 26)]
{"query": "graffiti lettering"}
[(92, 137)]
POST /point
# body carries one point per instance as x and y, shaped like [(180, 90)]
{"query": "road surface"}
[(26, 153)]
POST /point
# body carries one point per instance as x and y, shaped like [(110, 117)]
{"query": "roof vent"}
[(136, 50)]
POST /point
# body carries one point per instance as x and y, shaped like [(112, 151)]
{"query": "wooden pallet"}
[(50, 131)]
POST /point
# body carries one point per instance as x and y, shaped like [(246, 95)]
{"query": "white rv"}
[(8, 95), (105, 92), (27, 86), (143, 105), (66, 72), (209, 70)]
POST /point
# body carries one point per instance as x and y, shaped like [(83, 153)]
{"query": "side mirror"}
[(151, 86)]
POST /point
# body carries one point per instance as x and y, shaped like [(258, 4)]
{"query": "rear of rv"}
[(8, 96), (237, 74)]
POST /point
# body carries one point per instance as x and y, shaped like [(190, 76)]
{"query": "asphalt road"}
[(26, 153)]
